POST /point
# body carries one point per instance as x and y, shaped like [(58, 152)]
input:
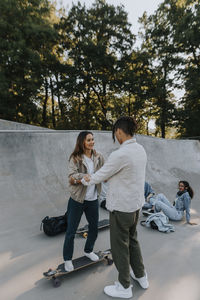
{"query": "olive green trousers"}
[(125, 247)]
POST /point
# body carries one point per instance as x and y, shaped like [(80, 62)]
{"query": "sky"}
[(135, 8)]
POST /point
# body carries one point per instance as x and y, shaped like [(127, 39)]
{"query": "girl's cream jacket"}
[(77, 169)]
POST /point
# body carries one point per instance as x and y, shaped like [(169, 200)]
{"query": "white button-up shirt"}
[(125, 172)]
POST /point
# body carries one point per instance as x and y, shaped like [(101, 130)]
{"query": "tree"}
[(185, 17), (158, 42), (98, 44), (25, 31)]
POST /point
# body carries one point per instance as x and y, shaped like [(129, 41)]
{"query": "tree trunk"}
[(147, 127), (53, 105), (129, 105), (87, 111), (60, 104), (163, 129), (44, 111), (163, 109)]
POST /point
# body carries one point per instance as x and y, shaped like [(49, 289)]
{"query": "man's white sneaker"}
[(92, 256), (118, 291), (143, 281), (69, 266)]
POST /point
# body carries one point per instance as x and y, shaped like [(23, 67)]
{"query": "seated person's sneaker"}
[(92, 256), (143, 281), (118, 291), (68, 266)]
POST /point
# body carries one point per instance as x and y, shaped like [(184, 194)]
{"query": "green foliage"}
[(185, 19), (98, 43), (158, 42), (80, 70), (25, 32)]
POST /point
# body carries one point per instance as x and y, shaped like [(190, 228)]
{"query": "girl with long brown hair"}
[(83, 160)]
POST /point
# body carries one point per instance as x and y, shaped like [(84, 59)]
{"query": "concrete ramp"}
[(33, 184), (10, 125)]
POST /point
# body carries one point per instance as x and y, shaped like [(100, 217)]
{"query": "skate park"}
[(34, 184)]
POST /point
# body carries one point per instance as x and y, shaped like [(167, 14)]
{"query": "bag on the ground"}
[(158, 221), (152, 224), (54, 225)]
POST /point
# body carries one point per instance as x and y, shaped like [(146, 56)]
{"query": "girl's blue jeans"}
[(75, 211), (162, 203)]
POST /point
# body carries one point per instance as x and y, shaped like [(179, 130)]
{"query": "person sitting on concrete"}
[(182, 203)]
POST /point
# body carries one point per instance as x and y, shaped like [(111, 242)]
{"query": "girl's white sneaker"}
[(69, 266), (92, 256)]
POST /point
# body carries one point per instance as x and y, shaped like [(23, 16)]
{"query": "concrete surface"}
[(10, 125), (33, 184)]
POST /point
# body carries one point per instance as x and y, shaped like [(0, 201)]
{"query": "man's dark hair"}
[(127, 124)]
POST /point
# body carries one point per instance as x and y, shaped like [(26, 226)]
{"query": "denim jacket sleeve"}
[(187, 202)]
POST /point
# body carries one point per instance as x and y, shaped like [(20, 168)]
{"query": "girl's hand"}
[(71, 180), (74, 181), (87, 178)]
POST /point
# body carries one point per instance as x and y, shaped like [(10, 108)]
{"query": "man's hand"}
[(87, 178)]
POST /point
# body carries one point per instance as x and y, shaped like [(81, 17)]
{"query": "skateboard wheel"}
[(56, 283), (85, 235), (109, 261)]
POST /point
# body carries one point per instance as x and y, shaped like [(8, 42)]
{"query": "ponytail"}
[(187, 188)]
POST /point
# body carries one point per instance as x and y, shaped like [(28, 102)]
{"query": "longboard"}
[(78, 263), (83, 231)]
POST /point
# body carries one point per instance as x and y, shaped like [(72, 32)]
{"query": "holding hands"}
[(85, 180)]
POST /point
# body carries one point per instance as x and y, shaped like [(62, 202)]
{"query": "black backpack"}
[(54, 225)]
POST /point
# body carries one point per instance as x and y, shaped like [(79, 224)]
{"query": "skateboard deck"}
[(101, 224), (78, 263)]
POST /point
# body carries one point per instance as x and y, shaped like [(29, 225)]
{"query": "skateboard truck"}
[(83, 231)]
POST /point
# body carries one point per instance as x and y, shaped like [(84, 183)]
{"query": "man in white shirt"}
[(125, 172)]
